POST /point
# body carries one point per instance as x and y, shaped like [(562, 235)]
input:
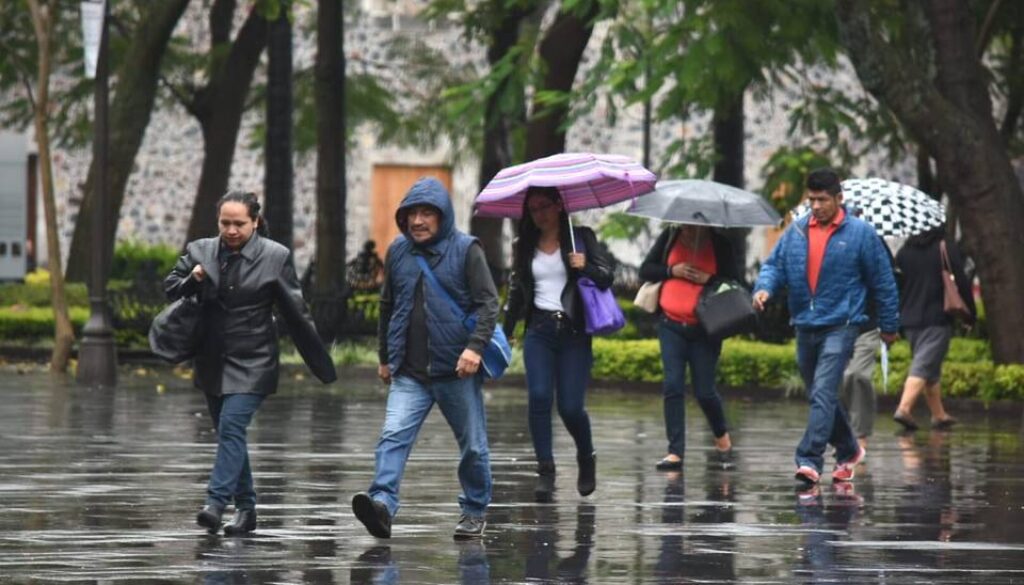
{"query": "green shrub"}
[(133, 260), (38, 294), (1008, 382), (34, 323), (638, 360)]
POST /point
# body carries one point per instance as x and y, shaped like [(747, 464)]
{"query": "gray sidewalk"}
[(103, 486)]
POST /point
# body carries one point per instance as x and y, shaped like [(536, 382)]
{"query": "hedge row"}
[(968, 371), (34, 324)]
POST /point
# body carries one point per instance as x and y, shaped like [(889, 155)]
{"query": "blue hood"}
[(428, 191)]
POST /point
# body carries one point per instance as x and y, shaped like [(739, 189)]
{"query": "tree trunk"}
[(64, 334), (329, 285), (137, 81), (561, 51), (953, 120), (278, 175), (727, 124), (497, 142), (219, 108)]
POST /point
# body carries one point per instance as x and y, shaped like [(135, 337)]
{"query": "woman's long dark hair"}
[(529, 233), (248, 199)]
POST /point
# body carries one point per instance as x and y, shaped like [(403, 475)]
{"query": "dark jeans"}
[(231, 478), (683, 346), (556, 357), (822, 355)]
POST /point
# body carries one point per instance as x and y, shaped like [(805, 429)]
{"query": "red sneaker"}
[(807, 475), (844, 470)]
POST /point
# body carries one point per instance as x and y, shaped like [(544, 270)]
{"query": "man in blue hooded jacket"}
[(428, 356), (830, 262)]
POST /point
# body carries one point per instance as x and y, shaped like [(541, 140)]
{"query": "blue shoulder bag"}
[(498, 352)]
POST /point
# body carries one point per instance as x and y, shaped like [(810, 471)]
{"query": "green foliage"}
[(70, 117), (701, 56), (620, 226), (967, 372), (26, 324), (785, 174), (38, 294), (133, 260)]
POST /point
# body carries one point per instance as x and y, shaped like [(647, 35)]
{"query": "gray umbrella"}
[(698, 202)]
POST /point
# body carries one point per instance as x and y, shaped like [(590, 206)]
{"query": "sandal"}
[(905, 420)]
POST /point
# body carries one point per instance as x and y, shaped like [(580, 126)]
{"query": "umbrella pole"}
[(572, 237)]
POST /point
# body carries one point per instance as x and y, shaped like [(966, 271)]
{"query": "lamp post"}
[(97, 356)]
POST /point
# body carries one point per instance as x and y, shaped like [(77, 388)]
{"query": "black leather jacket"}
[(599, 267), (239, 351)]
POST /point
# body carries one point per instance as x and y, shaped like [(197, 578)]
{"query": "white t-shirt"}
[(549, 279)]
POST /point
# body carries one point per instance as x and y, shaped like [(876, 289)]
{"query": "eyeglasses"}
[(540, 208)]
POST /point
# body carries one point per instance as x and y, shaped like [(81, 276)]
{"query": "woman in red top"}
[(685, 258)]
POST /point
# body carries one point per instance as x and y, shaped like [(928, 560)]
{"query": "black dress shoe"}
[(209, 518), (373, 514), (244, 522)]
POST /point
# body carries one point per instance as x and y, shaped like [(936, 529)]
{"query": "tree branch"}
[(985, 34)]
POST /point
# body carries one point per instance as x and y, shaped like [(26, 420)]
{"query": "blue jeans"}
[(462, 404), (822, 355), (556, 357), (683, 346), (231, 478)]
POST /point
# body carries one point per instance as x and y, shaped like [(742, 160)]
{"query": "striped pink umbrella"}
[(586, 181)]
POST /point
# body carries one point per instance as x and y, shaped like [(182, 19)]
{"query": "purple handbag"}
[(601, 311)]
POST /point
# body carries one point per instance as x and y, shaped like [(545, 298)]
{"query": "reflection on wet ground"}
[(102, 486)]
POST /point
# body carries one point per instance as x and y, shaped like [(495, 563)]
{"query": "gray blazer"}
[(239, 349)]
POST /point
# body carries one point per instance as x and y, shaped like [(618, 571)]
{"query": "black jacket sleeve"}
[(485, 298), (654, 268), (300, 324), (599, 267), (514, 302), (180, 282), (725, 257), (384, 317)]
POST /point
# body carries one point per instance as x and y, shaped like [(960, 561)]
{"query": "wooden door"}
[(388, 186)]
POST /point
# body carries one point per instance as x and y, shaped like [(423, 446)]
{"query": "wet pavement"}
[(102, 487)]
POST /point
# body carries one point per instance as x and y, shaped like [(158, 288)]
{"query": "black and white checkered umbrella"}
[(894, 209)]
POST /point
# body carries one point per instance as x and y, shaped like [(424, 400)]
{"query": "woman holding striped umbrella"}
[(549, 258), (556, 348)]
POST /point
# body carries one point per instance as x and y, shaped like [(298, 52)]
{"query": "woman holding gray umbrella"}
[(547, 262), (686, 256), (684, 259)]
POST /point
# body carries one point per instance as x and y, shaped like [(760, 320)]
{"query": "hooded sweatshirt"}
[(418, 333)]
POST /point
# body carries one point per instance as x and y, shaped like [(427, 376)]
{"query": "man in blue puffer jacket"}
[(830, 262), (428, 356)]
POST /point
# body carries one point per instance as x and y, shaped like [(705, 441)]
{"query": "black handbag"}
[(725, 309), (176, 331)]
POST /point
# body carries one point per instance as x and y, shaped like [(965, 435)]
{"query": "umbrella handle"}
[(572, 237)]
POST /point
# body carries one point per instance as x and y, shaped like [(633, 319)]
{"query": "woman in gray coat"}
[(238, 277)]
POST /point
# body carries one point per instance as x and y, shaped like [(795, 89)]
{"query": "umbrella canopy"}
[(698, 202), (586, 181), (895, 209)]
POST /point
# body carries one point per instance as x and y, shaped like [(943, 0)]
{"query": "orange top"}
[(817, 239), (679, 296)]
